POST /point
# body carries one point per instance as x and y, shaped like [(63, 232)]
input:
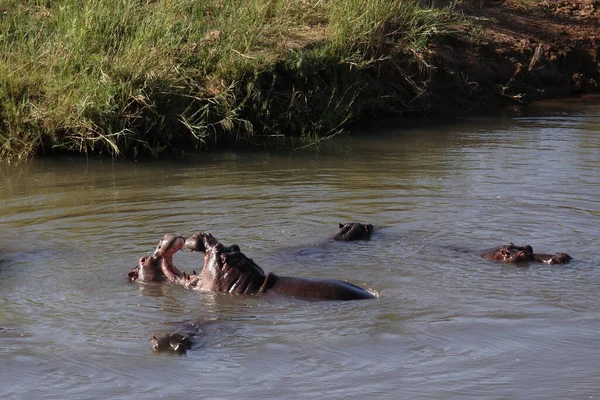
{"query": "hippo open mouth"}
[(228, 270), (159, 267)]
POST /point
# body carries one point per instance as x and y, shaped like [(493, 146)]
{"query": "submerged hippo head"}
[(177, 343), (159, 267), (226, 269), (510, 253), (354, 231)]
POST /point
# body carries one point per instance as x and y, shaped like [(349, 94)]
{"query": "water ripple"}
[(446, 324)]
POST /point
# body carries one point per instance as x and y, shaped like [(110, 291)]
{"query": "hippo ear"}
[(154, 337), (341, 225)]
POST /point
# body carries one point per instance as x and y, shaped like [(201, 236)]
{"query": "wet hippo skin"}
[(522, 254), (227, 270), (174, 342), (354, 231), (159, 267)]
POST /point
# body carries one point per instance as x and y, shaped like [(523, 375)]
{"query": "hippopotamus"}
[(349, 231), (159, 267), (228, 270), (354, 231), (173, 342), (181, 339), (514, 253)]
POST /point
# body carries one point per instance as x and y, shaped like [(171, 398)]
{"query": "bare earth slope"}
[(517, 51)]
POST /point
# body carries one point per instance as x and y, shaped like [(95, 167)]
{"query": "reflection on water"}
[(446, 325)]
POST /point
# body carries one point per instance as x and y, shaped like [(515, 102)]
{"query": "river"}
[(446, 324)]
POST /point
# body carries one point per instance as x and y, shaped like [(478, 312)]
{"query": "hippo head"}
[(354, 231), (159, 267), (511, 253), (226, 269), (177, 343)]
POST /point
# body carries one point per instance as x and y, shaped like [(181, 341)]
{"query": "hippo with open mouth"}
[(159, 267), (228, 270), (518, 254)]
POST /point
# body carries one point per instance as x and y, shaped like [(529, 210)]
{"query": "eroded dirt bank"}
[(518, 51)]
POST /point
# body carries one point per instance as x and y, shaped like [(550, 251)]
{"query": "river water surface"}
[(446, 324)]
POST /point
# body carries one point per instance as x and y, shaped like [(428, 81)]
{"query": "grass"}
[(145, 76)]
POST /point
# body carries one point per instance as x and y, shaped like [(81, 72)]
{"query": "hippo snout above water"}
[(178, 343), (159, 267), (523, 254), (354, 231), (558, 258), (201, 242)]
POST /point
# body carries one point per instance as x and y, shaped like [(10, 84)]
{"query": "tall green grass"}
[(125, 77)]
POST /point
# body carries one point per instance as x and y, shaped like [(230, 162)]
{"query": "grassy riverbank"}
[(131, 77), (127, 78)]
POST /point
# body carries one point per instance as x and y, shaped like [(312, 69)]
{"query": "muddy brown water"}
[(446, 325)]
